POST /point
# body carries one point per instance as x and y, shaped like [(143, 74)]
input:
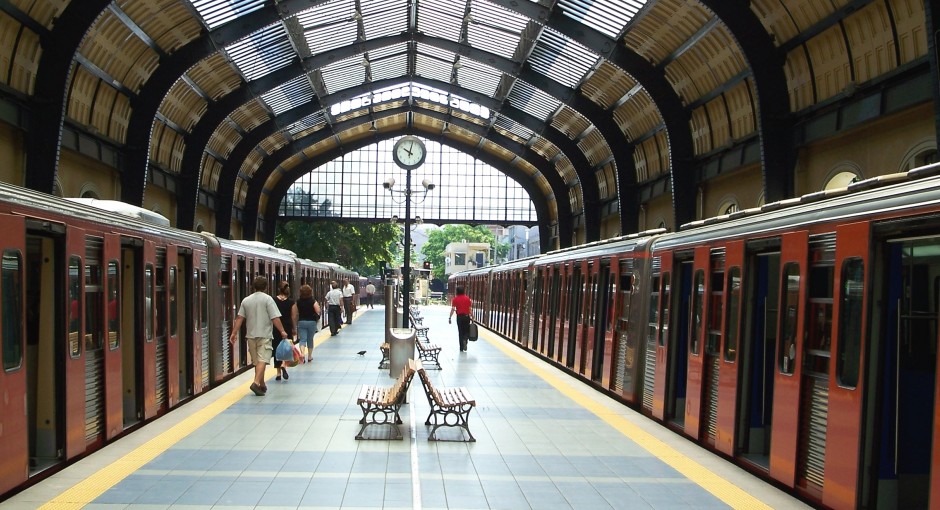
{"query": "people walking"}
[(461, 307), (308, 319), (288, 310), (333, 299), (348, 292), (258, 312), (370, 294)]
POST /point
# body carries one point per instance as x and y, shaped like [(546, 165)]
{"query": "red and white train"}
[(798, 339), (108, 321)]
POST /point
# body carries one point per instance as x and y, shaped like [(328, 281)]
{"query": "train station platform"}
[(544, 440)]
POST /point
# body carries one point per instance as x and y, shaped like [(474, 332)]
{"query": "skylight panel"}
[(527, 98), (432, 68), (219, 12), (386, 51), (440, 18), (561, 59), (478, 77), (514, 127), (330, 37), (606, 16), (495, 29), (289, 95), (261, 52), (382, 18), (434, 51), (330, 13), (311, 121), (391, 67), (343, 74)]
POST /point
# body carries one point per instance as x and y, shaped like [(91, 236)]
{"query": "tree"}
[(433, 249), (358, 246)]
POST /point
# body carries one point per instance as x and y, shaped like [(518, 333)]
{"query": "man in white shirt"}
[(333, 299), (259, 312), (348, 292), (370, 294)]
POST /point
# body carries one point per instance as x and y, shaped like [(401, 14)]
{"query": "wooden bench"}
[(380, 405), (428, 353), (383, 364), (450, 407)]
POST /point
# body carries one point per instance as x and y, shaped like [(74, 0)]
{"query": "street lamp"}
[(409, 153)]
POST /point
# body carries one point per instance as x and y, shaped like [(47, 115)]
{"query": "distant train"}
[(109, 321), (798, 339)]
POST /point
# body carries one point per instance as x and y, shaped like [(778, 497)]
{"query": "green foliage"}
[(433, 249), (359, 246)]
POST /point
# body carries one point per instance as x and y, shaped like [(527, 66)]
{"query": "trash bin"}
[(401, 348)]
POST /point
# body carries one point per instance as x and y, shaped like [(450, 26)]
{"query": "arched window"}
[(841, 179)]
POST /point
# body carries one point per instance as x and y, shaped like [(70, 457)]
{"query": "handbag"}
[(284, 351), (472, 332), (316, 316)]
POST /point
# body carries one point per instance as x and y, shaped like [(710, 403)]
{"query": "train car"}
[(110, 317), (799, 339)]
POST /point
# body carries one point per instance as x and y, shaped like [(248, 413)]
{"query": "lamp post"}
[(409, 153)]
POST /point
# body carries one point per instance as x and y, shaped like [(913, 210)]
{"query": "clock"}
[(409, 152)]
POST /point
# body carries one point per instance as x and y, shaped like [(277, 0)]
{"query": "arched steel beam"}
[(559, 188), (290, 177), (53, 79), (242, 149), (932, 8), (774, 122)]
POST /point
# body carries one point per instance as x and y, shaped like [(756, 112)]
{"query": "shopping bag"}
[(472, 332), (285, 351), (303, 352), (298, 355)]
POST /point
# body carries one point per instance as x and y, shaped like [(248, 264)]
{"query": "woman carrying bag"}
[(288, 310), (308, 310)]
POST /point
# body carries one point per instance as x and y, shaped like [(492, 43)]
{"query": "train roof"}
[(99, 211), (863, 199), (610, 246)]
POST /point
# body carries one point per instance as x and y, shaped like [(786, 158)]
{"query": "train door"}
[(224, 308), (711, 350), (114, 420), (132, 260), (14, 454), (46, 271), (731, 328), (94, 344), (660, 396), (171, 312), (756, 404), (551, 311), (241, 292), (679, 345), (74, 369), (902, 378), (651, 332), (181, 293), (794, 254), (201, 304), (160, 338), (578, 289), (697, 332), (539, 309), (590, 353)]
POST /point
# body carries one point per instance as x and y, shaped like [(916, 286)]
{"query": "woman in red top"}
[(461, 306)]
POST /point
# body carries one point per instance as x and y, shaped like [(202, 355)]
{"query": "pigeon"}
[(361, 353)]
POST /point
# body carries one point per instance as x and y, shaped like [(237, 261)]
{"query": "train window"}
[(204, 301), (664, 305), (790, 304), (172, 293), (698, 305), (160, 312), (12, 314), (734, 313), (75, 305), (652, 321), (114, 305), (148, 302), (94, 328), (715, 313), (850, 321)]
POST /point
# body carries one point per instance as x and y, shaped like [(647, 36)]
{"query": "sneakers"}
[(257, 390)]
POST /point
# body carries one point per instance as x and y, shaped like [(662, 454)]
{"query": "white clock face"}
[(409, 152)]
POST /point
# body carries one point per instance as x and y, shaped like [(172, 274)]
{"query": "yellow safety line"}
[(95, 485), (695, 472)]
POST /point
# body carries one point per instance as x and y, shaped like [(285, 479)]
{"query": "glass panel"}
[(698, 299), (715, 313), (12, 289), (148, 302), (75, 305), (173, 311), (204, 301), (819, 327), (850, 321), (664, 307), (114, 305), (734, 301), (94, 329), (790, 305), (160, 312)]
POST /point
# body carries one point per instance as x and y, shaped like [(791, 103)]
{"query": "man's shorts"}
[(260, 350)]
